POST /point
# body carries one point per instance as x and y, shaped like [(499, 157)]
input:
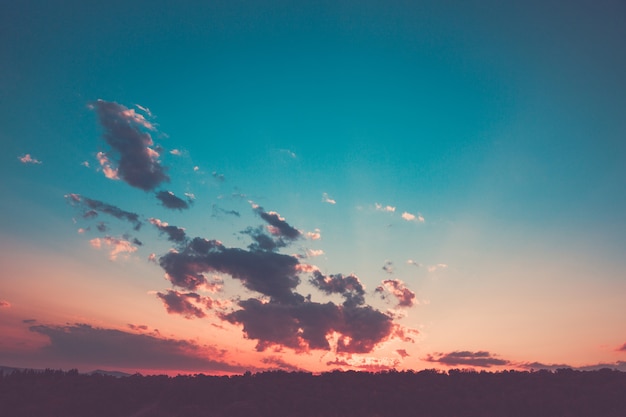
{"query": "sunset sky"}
[(222, 186)]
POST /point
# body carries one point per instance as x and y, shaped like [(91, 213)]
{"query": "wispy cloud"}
[(115, 245), (94, 207), (184, 304), (174, 233), (327, 199), (480, 359), (315, 235), (28, 159), (108, 170), (436, 267), (4, 304), (414, 263), (380, 207), (388, 267)]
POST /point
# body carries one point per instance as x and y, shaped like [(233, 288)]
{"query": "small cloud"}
[(277, 224), (4, 304), (217, 176), (327, 199), (433, 268), (196, 168), (182, 303), (622, 349), (116, 246), (174, 233), (402, 352), (481, 359), (28, 159), (152, 258), (288, 153), (414, 263), (85, 164), (388, 267), (310, 253), (406, 297), (169, 200), (315, 235), (109, 172), (176, 152), (380, 207), (412, 217)]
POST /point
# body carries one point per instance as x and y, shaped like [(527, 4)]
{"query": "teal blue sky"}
[(500, 127)]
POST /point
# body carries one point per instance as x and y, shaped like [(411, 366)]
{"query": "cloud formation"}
[(90, 346), (182, 303), (412, 217), (28, 159), (4, 304), (169, 200), (125, 131), (94, 207), (406, 297), (380, 207), (277, 224), (481, 359)]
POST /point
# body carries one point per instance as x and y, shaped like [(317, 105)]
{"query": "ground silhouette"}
[(429, 393)]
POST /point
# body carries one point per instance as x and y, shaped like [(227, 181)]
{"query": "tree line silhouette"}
[(429, 393)]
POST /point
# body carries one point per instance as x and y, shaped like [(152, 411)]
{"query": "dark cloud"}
[(347, 286), (406, 297), (278, 225), (84, 345), (169, 200), (287, 319), (139, 327), (268, 273), (218, 210), (174, 233), (29, 321), (182, 303), (126, 132), (94, 207), (101, 226), (262, 241), (388, 267), (276, 362), (623, 348), (402, 352), (481, 359), (619, 366)]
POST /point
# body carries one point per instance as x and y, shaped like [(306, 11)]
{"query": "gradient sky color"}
[(446, 180)]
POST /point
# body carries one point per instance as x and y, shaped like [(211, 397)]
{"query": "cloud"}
[(411, 217), (406, 297), (262, 241), (169, 200), (288, 153), (108, 170), (176, 152), (388, 267), (82, 344), (327, 199), (414, 263), (282, 317), (277, 225), (315, 235), (481, 359), (174, 233), (622, 348), (96, 206), (217, 176), (28, 159), (125, 131), (116, 245), (182, 303), (433, 268), (402, 352), (380, 207), (310, 253), (4, 304)]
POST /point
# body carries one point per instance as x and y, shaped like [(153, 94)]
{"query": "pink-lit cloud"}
[(181, 303), (315, 235), (412, 217), (4, 304), (437, 267), (406, 297), (28, 159), (107, 168), (115, 245)]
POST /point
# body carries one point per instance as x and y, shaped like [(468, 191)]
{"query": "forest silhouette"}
[(429, 393)]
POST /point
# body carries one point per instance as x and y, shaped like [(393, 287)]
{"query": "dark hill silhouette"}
[(458, 393)]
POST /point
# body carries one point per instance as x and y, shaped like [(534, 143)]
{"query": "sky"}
[(222, 186)]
